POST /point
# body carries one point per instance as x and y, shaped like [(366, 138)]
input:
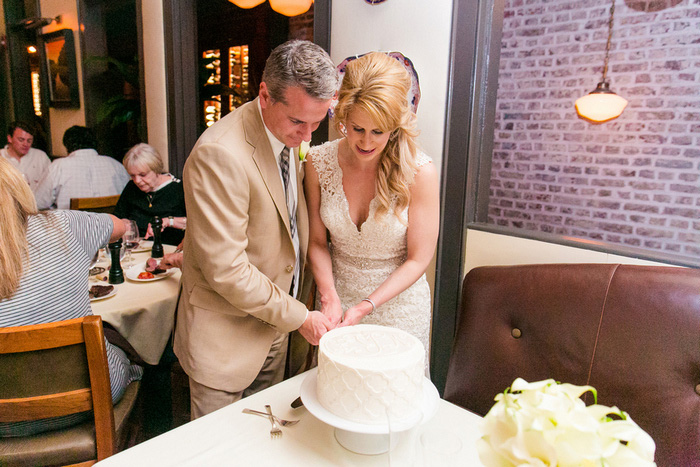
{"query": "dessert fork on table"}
[(275, 431), (280, 421)]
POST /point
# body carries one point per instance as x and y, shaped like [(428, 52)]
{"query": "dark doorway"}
[(112, 74), (198, 74)]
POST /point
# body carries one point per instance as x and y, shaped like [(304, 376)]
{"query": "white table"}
[(142, 312), (229, 437)]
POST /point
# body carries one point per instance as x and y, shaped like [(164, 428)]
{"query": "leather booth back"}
[(632, 332)]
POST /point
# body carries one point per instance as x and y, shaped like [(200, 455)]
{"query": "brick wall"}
[(634, 180), (302, 26)]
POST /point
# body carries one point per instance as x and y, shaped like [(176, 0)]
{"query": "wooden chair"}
[(98, 204), (57, 369)]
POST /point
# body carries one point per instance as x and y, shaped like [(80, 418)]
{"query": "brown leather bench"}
[(632, 332)]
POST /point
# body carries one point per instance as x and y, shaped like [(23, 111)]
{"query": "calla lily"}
[(303, 149), (547, 424)]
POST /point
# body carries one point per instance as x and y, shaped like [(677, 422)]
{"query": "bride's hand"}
[(333, 311), (352, 316)]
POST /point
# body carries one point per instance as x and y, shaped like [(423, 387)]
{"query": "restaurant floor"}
[(163, 402)]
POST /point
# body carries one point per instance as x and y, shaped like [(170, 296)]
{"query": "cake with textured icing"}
[(370, 374)]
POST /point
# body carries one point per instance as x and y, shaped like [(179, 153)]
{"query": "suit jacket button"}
[(290, 268)]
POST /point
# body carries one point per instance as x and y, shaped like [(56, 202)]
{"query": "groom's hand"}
[(315, 326)]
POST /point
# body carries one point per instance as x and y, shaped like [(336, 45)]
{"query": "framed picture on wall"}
[(59, 53)]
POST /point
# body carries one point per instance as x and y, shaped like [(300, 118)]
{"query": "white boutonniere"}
[(303, 150), (547, 424)]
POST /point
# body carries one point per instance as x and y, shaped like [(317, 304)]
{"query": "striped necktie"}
[(284, 169)]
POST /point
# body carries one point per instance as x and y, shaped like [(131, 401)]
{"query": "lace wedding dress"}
[(363, 258)]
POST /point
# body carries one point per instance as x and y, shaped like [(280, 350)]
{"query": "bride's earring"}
[(343, 131)]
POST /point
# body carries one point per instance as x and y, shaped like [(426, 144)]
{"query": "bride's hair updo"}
[(379, 85)]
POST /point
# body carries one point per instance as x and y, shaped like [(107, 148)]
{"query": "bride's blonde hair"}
[(16, 205), (379, 85)]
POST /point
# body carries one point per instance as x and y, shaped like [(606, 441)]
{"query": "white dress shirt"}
[(32, 165), (277, 147), (82, 174)]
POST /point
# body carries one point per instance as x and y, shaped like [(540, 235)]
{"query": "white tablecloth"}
[(229, 437), (143, 312)]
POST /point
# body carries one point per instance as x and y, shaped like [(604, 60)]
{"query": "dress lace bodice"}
[(364, 257)]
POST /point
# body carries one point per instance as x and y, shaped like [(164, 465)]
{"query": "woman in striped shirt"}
[(44, 263)]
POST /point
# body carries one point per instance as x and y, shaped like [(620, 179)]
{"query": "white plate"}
[(133, 272), (111, 294), (144, 245), (429, 407)]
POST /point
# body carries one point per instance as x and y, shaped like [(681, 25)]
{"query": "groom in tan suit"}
[(247, 233)]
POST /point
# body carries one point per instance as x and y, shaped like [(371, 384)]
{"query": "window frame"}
[(477, 28)]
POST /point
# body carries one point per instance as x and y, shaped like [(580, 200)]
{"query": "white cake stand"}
[(362, 438)]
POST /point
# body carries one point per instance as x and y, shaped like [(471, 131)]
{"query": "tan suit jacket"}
[(239, 257)]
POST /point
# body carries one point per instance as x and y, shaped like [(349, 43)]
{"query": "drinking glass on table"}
[(131, 239)]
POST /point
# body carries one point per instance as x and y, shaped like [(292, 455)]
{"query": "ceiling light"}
[(291, 7), (246, 3), (602, 104)]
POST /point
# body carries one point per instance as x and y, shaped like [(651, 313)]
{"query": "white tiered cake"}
[(371, 374)]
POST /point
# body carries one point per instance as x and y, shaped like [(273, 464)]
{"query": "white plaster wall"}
[(490, 249), (419, 29), (62, 119), (154, 76)]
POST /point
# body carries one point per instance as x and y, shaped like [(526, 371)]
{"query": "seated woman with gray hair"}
[(152, 192)]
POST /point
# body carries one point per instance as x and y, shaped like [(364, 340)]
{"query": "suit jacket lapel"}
[(265, 160)]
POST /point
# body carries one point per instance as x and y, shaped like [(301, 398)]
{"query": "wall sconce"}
[(602, 104), (285, 7), (37, 22)]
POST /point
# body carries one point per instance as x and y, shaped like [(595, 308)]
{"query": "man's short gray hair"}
[(303, 64)]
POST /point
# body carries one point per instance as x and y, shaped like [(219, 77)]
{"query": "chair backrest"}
[(55, 369), (98, 204), (632, 332)]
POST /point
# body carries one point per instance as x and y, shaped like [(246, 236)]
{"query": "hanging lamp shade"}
[(246, 3), (291, 7), (601, 104)]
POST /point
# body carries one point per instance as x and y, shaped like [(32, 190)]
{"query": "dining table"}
[(228, 436), (143, 312)]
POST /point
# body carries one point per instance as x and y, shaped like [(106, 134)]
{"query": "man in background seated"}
[(31, 162), (82, 174)]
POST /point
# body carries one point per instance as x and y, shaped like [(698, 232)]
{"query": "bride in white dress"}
[(377, 195)]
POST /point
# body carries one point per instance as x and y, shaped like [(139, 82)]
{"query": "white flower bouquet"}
[(547, 424)]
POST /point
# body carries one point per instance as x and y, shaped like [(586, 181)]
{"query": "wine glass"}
[(131, 239)]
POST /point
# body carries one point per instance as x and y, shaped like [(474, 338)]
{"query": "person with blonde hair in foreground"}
[(377, 195), (44, 277)]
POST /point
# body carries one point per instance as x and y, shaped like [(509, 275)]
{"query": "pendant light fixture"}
[(285, 7), (602, 104), (291, 7), (246, 3)]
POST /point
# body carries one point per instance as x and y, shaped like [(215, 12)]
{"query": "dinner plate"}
[(144, 245), (133, 272), (97, 270), (111, 294)]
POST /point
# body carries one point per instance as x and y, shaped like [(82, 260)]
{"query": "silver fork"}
[(281, 421), (275, 431)]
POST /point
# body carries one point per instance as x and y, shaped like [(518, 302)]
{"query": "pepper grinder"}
[(157, 249), (116, 273)]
